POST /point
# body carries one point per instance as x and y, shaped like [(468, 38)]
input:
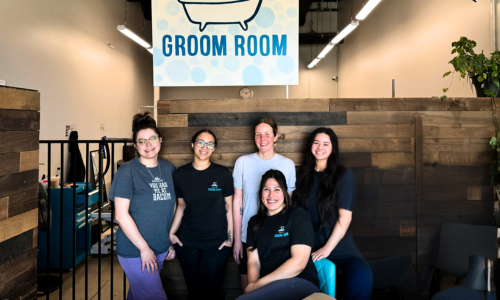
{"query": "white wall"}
[(59, 48), (409, 41)]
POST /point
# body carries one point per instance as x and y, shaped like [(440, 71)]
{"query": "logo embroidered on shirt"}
[(281, 232), (214, 188)]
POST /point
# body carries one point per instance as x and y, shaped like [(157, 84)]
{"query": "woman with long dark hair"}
[(202, 230), (144, 197), (279, 243), (325, 189)]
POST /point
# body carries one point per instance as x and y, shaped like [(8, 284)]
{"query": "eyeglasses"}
[(202, 143), (151, 140)]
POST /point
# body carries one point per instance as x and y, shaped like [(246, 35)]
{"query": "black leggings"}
[(203, 270), (286, 289)]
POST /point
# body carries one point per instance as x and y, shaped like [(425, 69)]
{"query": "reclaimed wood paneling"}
[(4, 208), (480, 192), (23, 202), (19, 99), (19, 120), (28, 160), (9, 163), (18, 265), (18, 224), (282, 118), (370, 118), (163, 107), (20, 287), (250, 105), (173, 120), (19, 182), (457, 118), (18, 141), (16, 246)]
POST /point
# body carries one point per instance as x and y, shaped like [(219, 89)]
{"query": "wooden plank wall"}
[(19, 125), (419, 162)]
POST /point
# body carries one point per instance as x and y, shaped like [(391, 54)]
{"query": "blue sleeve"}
[(123, 184), (345, 191), (291, 177)]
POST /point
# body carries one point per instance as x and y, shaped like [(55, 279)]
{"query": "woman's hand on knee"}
[(148, 259), (322, 252)]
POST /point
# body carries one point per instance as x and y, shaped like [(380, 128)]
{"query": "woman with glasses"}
[(144, 197), (202, 230), (247, 175), (325, 189)]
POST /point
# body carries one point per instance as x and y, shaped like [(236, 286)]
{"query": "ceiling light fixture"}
[(133, 36), (367, 9)]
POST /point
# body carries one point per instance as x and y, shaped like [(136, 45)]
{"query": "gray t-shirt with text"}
[(152, 200), (247, 175)]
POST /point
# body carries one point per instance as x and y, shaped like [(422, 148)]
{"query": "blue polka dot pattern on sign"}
[(252, 75), (211, 28), (291, 12), (222, 80), (286, 64), (274, 72), (173, 31), (278, 6), (194, 61), (253, 29), (178, 71), (162, 24), (257, 60), (214, 63), (194, 30), (158, 57), (265, 17), (282, 17), (198, 75), (172, 8), (158, 78), (231, 63), (277, 28), (234, 29), (182, 20)]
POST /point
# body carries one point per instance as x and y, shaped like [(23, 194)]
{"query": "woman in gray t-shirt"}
[(144, 197), (247, 175)]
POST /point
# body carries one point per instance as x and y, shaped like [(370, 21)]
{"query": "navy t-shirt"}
[(204, 223), (152, 201), (345, 200), (276, 237)]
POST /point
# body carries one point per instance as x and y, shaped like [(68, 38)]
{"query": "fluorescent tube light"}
[(313, 63), (345, 32), (325, 51), (150, 50), (133, 36), (367, 9)]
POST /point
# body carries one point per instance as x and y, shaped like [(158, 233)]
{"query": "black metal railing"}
[(110, 162)]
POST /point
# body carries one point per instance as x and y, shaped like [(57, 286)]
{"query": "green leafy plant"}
[(495, 144), (468, 63)]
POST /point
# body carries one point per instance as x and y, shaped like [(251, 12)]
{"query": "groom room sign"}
[(225, 42)]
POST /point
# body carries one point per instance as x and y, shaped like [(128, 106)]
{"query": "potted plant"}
[(482, 71)]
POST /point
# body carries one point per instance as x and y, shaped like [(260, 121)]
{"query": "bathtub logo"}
[(204, 12), (214, 188)]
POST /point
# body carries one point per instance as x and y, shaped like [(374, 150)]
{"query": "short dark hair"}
[(143, 121), (195, 136)]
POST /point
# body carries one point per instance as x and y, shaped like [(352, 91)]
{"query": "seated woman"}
[(325, 189), (282, 267)]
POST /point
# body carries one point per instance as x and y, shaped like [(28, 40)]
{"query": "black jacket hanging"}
[(75, 160)]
